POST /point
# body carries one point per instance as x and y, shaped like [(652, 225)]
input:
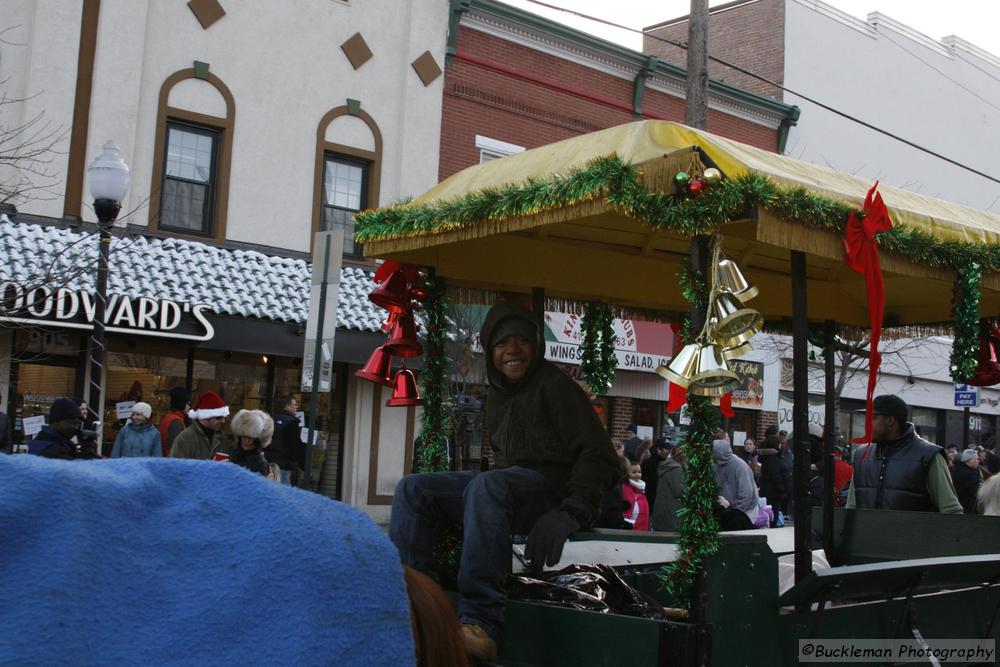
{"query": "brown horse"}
[(436, 632)]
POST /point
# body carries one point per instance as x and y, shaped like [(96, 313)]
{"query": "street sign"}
[(323, 300), (966, 396)]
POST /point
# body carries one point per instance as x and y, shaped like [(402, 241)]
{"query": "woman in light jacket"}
[(139, 437)]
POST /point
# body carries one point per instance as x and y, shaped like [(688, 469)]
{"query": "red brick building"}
[(515, 81), (526, 81)]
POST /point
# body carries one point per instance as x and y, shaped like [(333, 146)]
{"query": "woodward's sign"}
[(66, 307), (639, 346)]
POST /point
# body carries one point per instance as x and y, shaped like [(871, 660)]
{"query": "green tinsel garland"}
[(598, 360), (610, 176), (435, 425), (698, 537), (965, 313)]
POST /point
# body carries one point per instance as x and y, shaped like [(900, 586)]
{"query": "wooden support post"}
[(538, 301), (829, 437), (800, 418)]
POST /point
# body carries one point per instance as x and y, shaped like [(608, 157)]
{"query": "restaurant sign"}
[(639, 345), (65, 307)]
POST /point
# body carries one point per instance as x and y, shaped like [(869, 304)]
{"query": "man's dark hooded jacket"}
[(545, 422)]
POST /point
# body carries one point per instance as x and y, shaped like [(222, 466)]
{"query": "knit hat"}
[(631, 428), (253, 424), (968, 455), (63, 408), (144, 409), (209, 405)]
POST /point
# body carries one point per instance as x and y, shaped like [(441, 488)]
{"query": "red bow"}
[(862, 256)]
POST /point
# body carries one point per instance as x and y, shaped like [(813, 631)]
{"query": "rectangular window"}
[(491, 149), (189, 178), (345, 193)]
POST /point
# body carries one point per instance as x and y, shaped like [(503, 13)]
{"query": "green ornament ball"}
[(681, 179)]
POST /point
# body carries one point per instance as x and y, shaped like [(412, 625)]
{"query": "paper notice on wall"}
[(304, 434), (32, 425), (644, 432), (123, 409), (739, 437)]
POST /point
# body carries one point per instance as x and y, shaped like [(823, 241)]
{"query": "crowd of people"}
[(262, 443), (755, 483), (754, 486)]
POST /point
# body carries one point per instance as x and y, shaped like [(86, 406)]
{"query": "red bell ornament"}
[(390, 323), (393, 294), (404, 390), (378, 369), (987, 370), (403, 338)]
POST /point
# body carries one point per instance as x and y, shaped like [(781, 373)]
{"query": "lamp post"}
[(108, 176)]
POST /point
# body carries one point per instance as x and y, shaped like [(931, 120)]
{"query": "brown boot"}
[(478, 644)]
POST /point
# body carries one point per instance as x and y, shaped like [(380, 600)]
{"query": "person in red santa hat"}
[(203, 439)]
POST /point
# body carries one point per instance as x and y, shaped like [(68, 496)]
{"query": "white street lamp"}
[(108, 176)]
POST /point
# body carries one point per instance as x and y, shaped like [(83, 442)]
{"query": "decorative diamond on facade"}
[(356, 50), (206, 11)]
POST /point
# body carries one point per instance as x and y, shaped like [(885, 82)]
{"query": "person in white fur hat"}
[(139, 437), (204, 437), (253, 430)]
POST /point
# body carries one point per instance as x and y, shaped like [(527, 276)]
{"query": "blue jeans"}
[(490, 506)]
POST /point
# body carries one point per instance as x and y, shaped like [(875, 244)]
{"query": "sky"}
[(974, 21)]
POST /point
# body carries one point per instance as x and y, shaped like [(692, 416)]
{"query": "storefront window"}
[(647, 414), (38, 386), (135, 377), (926, 422)]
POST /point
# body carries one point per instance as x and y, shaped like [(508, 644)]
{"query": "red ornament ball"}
[(695, 186)]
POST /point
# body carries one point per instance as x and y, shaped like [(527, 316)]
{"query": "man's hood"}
[(498, 313), (721, 451)]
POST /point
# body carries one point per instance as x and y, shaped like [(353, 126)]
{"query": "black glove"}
[(547, 537)]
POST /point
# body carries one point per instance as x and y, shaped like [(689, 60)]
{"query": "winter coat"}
[(197, 442), (893, 475), (669, 495), (545, 422), (637, 507), (51, 445), (734, 479), (967, 481), (287, 448), (170, 427), (776, 479), (142, 440), (651, 477), (251, 459)]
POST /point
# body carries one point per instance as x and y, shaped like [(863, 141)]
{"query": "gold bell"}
[(737, 351), (736, 323), (682, 367), (729, 279), (713, 377)]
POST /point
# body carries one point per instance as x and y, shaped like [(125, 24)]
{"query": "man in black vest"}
[(900, 470)]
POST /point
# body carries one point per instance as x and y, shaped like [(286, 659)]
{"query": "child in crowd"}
[(634, 497)]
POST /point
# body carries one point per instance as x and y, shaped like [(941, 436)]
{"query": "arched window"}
[(348, 167), (192, 156)]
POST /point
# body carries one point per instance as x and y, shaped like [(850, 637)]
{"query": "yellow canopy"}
[(591, 249)]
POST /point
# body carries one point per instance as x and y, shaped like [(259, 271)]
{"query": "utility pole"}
[(696, 107)]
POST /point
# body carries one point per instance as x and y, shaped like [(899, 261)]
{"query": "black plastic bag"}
[(586, 587)]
